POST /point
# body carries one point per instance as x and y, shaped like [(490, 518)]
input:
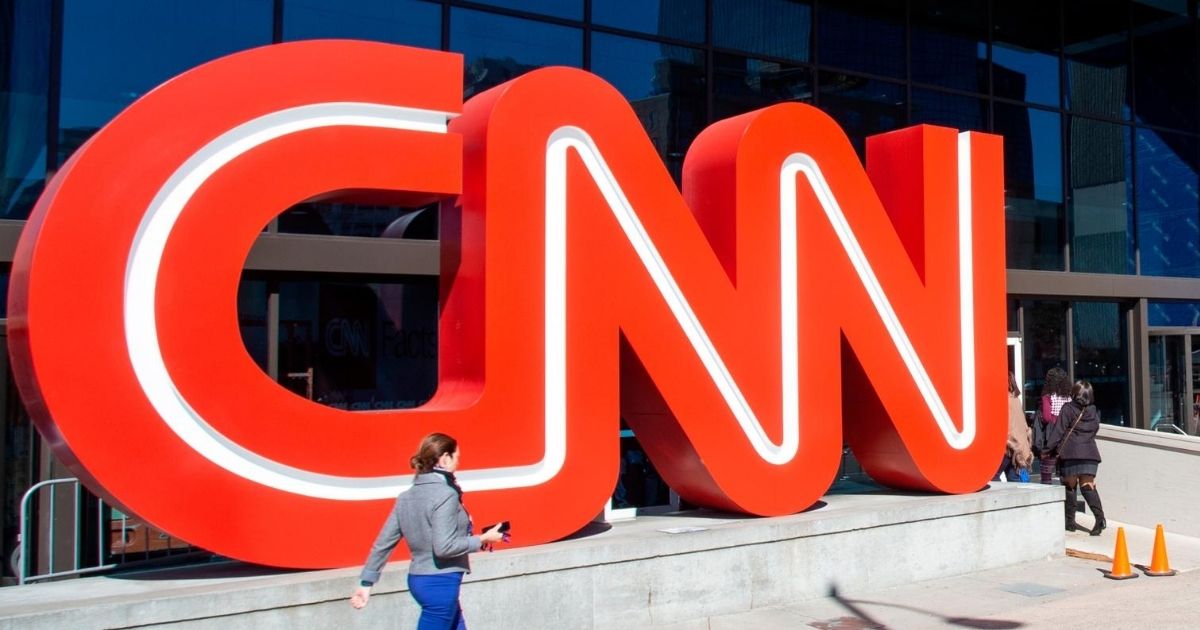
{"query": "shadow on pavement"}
[(865, 621)]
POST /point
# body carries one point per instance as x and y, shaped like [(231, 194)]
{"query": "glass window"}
[(949, 43), (368, 345), (1100, 208), (115, 51), (498, 48), (252, 319), (1045, 341), (1101, 357), (350, 219), (1168, 214), (863, 107), (1096, 41), (1033, 193), (397, 21), (863, 35), (965, 113), (24, 80), (665, 86), (774, 28), (680, 19), (1025, 46), (744, 84), (1164, 44), (570, 9), (1162, 314)]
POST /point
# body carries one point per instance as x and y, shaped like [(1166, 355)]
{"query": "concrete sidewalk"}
[(1060, 593)]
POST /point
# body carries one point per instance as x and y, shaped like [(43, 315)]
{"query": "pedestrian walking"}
[(1074, 441)]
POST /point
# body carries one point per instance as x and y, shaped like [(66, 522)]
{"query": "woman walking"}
[(1056, 391), (1074, 438), (437, 529)]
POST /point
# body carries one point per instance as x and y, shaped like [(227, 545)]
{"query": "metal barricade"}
[(25, 559)]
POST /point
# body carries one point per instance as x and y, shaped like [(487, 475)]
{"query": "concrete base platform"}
[(651, 571)]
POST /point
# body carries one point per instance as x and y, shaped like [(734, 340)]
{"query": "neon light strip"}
[(150, 242)]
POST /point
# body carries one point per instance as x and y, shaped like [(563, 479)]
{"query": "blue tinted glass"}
[(1102, 357), (680, 19), (115, 51), (1167, 209), (775, 28), (1174, 314), (1096, 40), (1164, 43), (949, 43), (1101, 216), (745, 84), (1025, 50), (24, 79), (965, 113), (410, 22), (665, 86), (252, 319), (1033, 186), (570, 9), (863, 35), (498, 48), (863, 107)]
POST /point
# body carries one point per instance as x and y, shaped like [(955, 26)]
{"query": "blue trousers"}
[(438, 596)]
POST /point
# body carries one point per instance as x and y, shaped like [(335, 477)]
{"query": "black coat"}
[(1081, 443)]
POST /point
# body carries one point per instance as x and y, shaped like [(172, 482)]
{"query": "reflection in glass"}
[(410, 22), (949, 43), (1033, 195), (1045, 340), (1162, 314), (141, 44), (498, 48), (1169, 402), (570, 9), (965, 113), (1101, 357), (863, 35), (744, 84), (24, 80), (863, 107), (1096, 43), (773, 28), (1025, 44), (1101, 216), (359, 346), (678, 19), (1168, 213), (664, 85), (1164, 74)]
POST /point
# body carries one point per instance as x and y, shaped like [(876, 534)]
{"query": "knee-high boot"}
[(1069, 509), (1093, 500)]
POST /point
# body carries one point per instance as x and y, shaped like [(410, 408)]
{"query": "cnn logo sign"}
[(787, 299)]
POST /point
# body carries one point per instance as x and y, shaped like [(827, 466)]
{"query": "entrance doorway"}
[(1175, 381)]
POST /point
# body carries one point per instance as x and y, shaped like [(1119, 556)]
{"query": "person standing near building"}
[(1074, 439), (1018, 456), (437, 529), (1056, 391)]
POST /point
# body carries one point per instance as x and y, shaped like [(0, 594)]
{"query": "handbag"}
[(1041, 436)]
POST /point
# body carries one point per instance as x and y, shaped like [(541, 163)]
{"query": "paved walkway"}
[(1059, 593)]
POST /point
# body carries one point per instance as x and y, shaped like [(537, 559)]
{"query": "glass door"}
[(1171, 403)]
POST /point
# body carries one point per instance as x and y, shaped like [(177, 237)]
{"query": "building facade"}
[(1097, 100)]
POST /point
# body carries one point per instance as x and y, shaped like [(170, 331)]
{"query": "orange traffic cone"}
[(1120, 567), (1159, 567)]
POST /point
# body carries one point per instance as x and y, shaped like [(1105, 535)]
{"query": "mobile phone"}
[(504, 527)]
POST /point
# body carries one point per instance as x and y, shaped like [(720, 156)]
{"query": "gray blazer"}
[(436, 527)]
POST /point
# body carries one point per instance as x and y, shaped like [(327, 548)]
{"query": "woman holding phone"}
[(437, 529)]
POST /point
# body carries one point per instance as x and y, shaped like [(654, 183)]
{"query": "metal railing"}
[(25, 558)]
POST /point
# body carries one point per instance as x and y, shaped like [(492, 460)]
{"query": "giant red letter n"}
[(787, 294)]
